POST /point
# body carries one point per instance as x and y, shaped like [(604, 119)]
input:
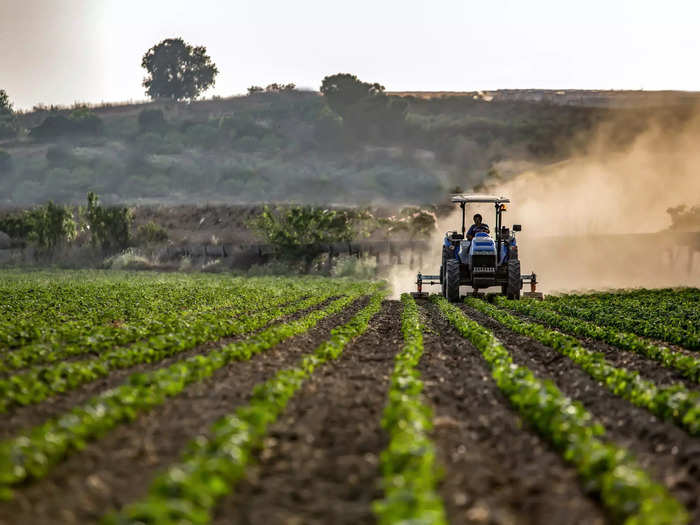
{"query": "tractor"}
[(482, 262)]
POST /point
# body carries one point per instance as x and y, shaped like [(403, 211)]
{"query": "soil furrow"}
[(21, 418), (118, 469), (669, 454), (496, 471), (319, 463)]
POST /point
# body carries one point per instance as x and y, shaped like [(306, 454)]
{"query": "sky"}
[(66, 51)]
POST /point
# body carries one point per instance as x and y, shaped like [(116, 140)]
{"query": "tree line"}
[(177, 71)]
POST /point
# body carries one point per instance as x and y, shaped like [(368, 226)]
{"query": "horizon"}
[(90, 52)]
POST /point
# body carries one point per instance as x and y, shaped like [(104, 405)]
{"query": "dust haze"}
[(594, 220)]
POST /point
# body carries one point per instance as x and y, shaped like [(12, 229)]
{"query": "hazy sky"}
[(62, 51)]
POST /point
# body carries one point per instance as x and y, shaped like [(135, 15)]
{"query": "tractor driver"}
[(477, 227)]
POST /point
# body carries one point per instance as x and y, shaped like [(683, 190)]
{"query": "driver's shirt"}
[(473, 229)]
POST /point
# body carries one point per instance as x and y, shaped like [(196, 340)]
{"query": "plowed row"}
[(199, 399)]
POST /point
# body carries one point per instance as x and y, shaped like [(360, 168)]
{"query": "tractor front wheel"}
[(514, 283), (452, 280)]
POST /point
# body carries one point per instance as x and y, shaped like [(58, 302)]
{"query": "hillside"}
[(290, 146)]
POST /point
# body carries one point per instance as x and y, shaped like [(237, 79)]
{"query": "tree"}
[(109, 227), (177, 70), (365, 108), (8, 122), (303, 232), (5, 104), (343, 91)]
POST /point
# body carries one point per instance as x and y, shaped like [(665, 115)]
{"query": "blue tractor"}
[(483, 260)]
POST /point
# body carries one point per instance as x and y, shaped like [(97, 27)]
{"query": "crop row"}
[(188, 491), (32, 454), (37, 310), (686, 364), (675, 403), (40, 382), (653, 321), (625, 489), (75, 312), (98, 339), (408, 465)]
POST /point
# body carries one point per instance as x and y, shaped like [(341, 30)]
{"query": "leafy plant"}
[(625, 489), (189, 490), (151, 120), (151, 232), (41, 382), (305, 231), (32, 454), (51, 225), (177, 70), (109, 227), (675, 403), (688, 365), (410, 474)]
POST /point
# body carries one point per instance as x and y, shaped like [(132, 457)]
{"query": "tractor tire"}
[(452, 278), (514, 282), (443, 280)]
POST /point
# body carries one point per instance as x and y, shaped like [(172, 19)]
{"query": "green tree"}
[(8, 122), (51, 225), (177, 70), (5, 104), (303, 232), (364, 106), (344, 91), (109, 227)]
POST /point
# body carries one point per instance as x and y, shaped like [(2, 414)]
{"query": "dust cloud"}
[(598, 220)]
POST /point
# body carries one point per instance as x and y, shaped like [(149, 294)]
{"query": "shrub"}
[(153, 143), (51, 225), (151, 120), (17, 225), (109, 227), (129, 259), (202, 135), (80, 122), (150, 232)]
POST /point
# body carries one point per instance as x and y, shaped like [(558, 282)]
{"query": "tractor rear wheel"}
[(514, 282), (452, 278), (443, 279)]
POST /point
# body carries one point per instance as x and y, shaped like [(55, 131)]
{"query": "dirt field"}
[(321, 460)]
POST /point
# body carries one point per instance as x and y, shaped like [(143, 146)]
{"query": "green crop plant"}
[(188, 491), (410, 475), (84, 336), (687, 365), (625, 489), (41, 382), (32, 454), (672, 317), (675, 403)]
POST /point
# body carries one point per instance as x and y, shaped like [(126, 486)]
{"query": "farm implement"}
[(478, 259)]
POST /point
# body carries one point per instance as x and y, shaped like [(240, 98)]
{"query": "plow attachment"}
[(430, 280)]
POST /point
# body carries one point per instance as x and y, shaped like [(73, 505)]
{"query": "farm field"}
[(202, 398)]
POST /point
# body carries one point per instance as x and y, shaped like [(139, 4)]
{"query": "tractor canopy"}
[(460, 198)]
